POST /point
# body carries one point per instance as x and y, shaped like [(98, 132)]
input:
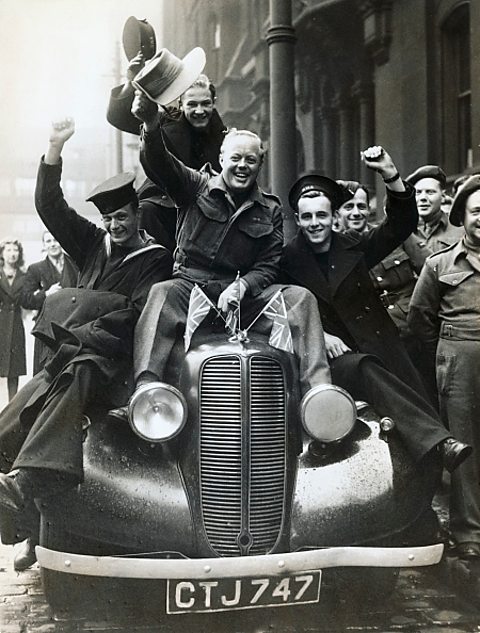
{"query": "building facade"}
[(400, 73)]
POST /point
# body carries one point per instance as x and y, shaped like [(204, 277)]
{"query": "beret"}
[(428, 171), (458, 205), (114, 193), (315, 182)]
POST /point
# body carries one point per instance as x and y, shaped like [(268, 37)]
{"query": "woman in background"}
[(12, 332)]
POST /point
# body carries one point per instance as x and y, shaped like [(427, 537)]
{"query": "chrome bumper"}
[(237, 567)]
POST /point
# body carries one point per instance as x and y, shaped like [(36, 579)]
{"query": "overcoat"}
[(349, 305), (89, 330), (12, 332)]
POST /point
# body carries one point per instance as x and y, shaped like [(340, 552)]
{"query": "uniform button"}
[(396, 262), (359, 285), (422, 243), (367, 308), (377, 332), (391, 306), (74, 299), (332, 266), (378, 279)]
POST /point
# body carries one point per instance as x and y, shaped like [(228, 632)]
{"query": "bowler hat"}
[(138, 36), (315, 182), (114, 193), (428, 171), (457, 211), (165, 77)]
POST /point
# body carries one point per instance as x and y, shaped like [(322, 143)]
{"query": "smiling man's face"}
[(197, 105), (122, 225), (315, 219), (241, 159)]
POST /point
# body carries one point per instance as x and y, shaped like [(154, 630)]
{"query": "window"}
[(456, 90)]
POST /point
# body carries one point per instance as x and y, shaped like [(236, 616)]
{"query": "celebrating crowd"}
[(386, 311)]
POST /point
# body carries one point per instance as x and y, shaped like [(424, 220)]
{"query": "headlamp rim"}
[(136, 396), (313, 392)]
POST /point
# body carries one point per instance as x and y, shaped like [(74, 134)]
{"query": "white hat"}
[(165, 77)]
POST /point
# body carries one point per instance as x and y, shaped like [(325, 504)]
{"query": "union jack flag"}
[(198, 308), (280, 335)]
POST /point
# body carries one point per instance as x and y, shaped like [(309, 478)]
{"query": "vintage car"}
[(222, 495)]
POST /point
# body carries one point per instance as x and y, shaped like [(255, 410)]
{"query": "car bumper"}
[(236, 567)]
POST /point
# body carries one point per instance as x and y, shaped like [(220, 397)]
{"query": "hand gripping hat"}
[(138, 35), (457, 211), (165, 77), (315, 182), (114, 193), (428, 171)]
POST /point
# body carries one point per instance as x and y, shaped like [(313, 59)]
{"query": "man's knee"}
[(298, 296)]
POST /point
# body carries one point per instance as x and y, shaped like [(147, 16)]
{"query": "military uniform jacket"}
[(215, 240), (349, 304), (446, 298)]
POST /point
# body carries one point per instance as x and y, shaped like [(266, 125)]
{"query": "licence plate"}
[(225, 594)]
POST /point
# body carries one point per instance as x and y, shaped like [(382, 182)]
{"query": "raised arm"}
[(181, 182), (71, 230), (401, 208)]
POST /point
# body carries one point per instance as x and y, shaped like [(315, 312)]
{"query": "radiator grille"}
[(242, 469)]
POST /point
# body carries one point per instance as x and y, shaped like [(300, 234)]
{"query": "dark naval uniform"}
[(89, 331)]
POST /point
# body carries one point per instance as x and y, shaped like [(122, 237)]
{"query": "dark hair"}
[(352, 186), (18, 244)]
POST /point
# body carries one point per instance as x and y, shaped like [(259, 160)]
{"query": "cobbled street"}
[(424, 601)]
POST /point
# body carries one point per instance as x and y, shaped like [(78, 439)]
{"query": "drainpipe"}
[(282, 154)]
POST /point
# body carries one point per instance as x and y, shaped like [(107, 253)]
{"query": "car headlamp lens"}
[(328, 413), (157, 412)]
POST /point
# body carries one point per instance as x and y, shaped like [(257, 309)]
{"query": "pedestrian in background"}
[(43, 279), (12, 350)]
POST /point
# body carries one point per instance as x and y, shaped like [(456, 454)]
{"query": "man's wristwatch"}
[(392, 179)]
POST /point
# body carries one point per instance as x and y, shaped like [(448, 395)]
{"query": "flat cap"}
[(315, 182), (114, 193), (428, 171), (458, 206)]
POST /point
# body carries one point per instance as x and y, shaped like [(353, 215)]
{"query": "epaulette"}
[(272, 196)]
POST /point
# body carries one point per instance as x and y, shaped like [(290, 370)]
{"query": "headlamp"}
[(328, 413), (157, 412)]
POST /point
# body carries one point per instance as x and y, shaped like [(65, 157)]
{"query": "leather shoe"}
[(25, 556), (121, 414), (454, 453), (468, 550)]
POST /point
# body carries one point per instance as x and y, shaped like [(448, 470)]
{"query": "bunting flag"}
[(198, 308), (280, 335)]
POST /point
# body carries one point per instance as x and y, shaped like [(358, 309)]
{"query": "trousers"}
[(164, 317), (458, 381)]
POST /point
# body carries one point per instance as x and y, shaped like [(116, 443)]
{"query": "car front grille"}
[(242, 466)]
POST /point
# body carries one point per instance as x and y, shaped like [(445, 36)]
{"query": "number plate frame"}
[(232, 594)]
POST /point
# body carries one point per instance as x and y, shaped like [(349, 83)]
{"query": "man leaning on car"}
[(365, 351), (89, 330)]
